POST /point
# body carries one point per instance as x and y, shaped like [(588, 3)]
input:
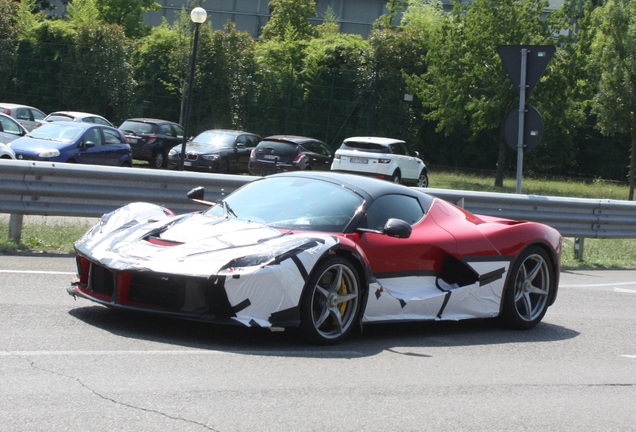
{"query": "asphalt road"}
[(69, 365)]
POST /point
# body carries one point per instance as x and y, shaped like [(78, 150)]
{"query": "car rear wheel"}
[(395, 178), (331, 302), (158, 160), (422, 180), (528, 289)]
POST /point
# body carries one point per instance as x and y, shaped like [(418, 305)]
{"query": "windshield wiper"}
[(227, 209)]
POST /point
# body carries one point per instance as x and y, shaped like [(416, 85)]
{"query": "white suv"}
[(385, 158)]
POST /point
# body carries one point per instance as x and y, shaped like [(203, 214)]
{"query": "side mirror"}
[(87, 145), (197, 193), (397, 228)]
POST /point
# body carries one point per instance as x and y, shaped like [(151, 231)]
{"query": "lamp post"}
[(198, 17)]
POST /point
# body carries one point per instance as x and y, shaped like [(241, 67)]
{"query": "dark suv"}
[(279, 153), (151, 139)]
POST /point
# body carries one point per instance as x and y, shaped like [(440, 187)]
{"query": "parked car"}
[(77, 116), (10, 129), (322, 251), (74, 142), (279, 153), (6, 152), (151, 139), (384, 158), (216, 150), (27, 116)]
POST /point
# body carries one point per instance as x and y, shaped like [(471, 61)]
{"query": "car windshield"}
[(59, 117), (292, 203), (137, 127), (57, 132), (213, 139), (365, 146)]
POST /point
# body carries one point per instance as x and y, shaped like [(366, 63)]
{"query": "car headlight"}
[(210, 157), (173, 152), (49, 153)]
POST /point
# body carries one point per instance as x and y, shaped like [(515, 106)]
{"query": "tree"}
[(128, 14), (465, 86), (290, 17), (613, 51)]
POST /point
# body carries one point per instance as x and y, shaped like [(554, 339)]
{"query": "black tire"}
[(528, 289), (422, 180), (395, 178), (158, 160), (331, 302)]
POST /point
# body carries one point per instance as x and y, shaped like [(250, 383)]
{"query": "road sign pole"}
[(522, 116)]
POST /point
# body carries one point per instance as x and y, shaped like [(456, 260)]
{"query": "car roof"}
[(228, 132), (292, 139), (76, 114), (14, 105), (364, 185), (76, 124), (374, 140), (149, 120)]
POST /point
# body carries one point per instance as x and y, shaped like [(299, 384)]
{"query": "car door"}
[(409, 165), (320, 156), (10, 130), (102, 146), (30, 118), (242, 149), (172, 135)]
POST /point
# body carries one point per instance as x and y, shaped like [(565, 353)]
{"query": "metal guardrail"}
[(59, 189)]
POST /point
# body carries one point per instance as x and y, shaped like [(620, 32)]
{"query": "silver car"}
[(27, 116), (10, 129)]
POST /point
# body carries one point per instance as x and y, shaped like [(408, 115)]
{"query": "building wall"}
[(356, 16)]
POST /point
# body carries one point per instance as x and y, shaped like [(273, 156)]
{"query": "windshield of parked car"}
[(57, 132), (365, 146), (214, 139), (293, 203)]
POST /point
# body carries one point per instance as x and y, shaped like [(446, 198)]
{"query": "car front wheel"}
[(422, 180), (158, 160), (331, 302), (528, 289)]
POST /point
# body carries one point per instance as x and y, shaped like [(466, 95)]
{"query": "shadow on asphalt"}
[(374, 339)]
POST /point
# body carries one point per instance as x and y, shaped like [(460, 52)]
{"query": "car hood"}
[(143, 237), (31, 144)]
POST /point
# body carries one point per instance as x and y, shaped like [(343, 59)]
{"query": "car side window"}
[(326, 151), (166, 129), (23, 114), (178, 131), (399, 148), (100, 121), (8, 126), (392, 206), (112, 137), (93, 135)]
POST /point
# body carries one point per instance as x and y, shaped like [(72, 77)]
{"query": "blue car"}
[(74, 142)]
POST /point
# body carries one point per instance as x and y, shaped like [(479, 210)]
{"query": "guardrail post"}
[(15, 227), (579, 245)]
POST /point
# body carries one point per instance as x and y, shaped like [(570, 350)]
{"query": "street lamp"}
[(198, 17)]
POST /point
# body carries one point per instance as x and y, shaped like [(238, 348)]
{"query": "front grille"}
[(192, 156), (101, 280), (198, 296)]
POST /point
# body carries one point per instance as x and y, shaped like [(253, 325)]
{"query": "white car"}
[(384, 158), (6, 152)]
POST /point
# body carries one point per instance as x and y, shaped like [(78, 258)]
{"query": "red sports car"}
[(324, 252)]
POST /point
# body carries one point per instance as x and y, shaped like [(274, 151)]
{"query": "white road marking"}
[(623, 290), (37, 272), (596, 285), (629, 356)]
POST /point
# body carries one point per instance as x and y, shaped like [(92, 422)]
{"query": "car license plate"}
[(186, 163), (270, 156), (359, 161), (131, 140)]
